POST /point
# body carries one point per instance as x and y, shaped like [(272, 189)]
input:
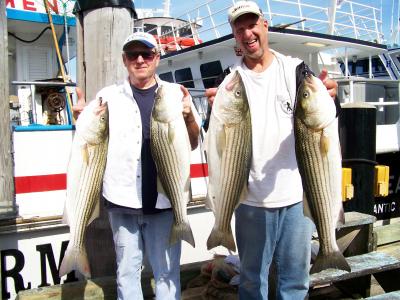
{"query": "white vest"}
[(274, 179), (122, 183)]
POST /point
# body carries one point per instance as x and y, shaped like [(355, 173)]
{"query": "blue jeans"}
[(136, 235), (282, 234)]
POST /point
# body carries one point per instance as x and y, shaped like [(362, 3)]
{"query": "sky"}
[(178, 7)]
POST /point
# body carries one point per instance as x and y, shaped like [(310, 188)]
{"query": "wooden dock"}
[(373, 253)]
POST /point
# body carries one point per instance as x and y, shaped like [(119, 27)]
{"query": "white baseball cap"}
[(241, 8), (143, 37)]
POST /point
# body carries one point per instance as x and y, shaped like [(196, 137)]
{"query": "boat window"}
[(150, 28), (210, 72), (384, 94), (167, 76), (360, 68), (185, 31), (166, 31), (184, 77)]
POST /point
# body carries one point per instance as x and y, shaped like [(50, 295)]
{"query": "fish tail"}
[(221, 238), (75, 259), (335, 260), (182, 231)]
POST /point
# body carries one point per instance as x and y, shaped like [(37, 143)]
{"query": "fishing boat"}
[(197, 48)]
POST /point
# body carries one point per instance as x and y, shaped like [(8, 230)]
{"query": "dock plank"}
[(387, 296), (365, 264), (388, 233)]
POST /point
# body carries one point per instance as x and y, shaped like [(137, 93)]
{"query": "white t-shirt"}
[(274, 179)]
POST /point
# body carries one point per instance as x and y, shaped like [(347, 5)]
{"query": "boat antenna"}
[(166, 7), (392, 37)]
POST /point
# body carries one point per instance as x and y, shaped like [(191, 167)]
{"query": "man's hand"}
[(187, 108), (80, 104), (210, 94), (330, 84), (190, 121)]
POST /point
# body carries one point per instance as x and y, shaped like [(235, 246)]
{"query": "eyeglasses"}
[(146, 55)]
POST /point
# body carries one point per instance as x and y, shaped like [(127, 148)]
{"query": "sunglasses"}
[(146, 55)]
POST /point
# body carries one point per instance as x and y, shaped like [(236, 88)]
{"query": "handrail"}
[(209, 20)]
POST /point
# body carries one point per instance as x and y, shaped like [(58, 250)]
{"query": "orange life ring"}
[(187, 42)]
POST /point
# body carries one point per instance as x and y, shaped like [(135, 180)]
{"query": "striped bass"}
[(170, 147), (84, 181), (320, 164), (228, 148)]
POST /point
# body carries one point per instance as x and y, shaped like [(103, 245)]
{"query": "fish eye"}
[(237, 93), (306, 94)]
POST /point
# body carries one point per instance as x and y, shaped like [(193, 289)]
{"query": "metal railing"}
[(351, 19)]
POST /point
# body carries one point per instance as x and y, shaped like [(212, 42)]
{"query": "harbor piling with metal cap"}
[(101, 30), (357, 130)]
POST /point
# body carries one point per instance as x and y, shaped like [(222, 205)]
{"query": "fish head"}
[(165, 109), (232, 101), (95, 129), (314, 105)]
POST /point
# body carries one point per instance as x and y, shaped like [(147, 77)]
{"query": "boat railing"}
[(200, 102), (383, 94), (208, 20)]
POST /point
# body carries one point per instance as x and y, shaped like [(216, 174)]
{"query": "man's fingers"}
[(184, 91), (81, 97), (323, 75), (211, 92)]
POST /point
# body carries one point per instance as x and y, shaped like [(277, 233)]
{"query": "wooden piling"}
[(6, 164), (100, 37)]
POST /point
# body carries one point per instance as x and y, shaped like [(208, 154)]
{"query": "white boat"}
[(197, 47)]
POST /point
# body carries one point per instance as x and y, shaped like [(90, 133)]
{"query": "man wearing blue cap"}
[(140, 217)]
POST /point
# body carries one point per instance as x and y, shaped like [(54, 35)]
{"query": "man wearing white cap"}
[(140, 217), (269, 222)]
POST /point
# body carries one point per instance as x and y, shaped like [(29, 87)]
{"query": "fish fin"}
[(85, 153), (171, 132), (220, 238), (75, 259), (334, 260), (344, 240), (306, 208), (96, 211), (183, 232), (324, 144)]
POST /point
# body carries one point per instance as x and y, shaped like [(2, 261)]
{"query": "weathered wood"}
[(387, 296), (365, 264), (101, 33), (104, 31), (96, 289), (388, 233), (6, 165), (104, 288), (81, 69), (355, 218)]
